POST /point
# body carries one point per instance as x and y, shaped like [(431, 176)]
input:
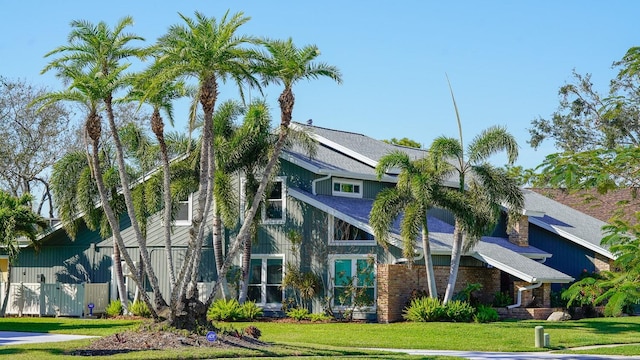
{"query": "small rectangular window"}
[(184, 213), (348, 188)]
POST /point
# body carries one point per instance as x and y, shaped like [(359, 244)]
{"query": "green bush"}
[(114, 308), (424, 309), (225, 310), (249, 310), (319, 317), (502, 299), (485, 314), (299, 314), (139, 308), (458, 311)]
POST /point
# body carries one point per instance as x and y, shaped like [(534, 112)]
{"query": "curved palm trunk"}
[(117, 268), (456, 253), (5, 302), (286, 101), (428, 263), (246, 268), (93, 128), (157, 126), (126, 192), (217, 249)]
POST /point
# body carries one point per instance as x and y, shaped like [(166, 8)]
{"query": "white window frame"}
[(263, 210), (189, 203), (336, 242), (354, 258), (342, 181), (263, 280)]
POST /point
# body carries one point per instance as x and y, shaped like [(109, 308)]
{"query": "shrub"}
[(467, 293), (114, 308), (298, 314), (458, 311), (502, 299), (139, 308), (424, 309), (485, 314), (249, 310), (224, 310), (319, 317)]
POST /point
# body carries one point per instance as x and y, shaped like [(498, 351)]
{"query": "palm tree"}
[(416, 192), (98, 51), (209, 51), (486, 188), (282, 63), (17, 220)]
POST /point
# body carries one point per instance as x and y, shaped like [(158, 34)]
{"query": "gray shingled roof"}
[(567, 222), (494, 251)]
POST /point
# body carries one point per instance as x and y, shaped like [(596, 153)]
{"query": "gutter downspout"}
[(520, 291), (314, 182)]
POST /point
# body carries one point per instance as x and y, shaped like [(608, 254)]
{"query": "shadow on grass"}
[(53, 326)]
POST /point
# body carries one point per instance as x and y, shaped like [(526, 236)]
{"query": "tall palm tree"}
[(282, 63), (209, 51), (101, 52), (416, 192), (17, 220), (486, 188)]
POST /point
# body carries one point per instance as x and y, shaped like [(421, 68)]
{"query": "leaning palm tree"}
[(417, 191), (102, 52), (17, 220), (282, 63), (486, 188), (209, 51)]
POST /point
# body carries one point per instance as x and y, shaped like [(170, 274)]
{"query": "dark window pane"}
[(274, 294), (253, 294), (274, 210), (276, 191), (255, 271), (183, 211), (336, 187), (356, 189), (341, 297), (274, 271)]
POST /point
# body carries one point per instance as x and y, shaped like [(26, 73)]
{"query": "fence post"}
[(539, 331)]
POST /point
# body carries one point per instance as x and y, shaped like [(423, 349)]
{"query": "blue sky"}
[(505, 59)]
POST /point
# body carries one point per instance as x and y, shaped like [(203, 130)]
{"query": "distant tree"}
[(31, 140), (17, 222), (404, 142)]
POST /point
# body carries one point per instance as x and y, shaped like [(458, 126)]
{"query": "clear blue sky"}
[(505, 59)]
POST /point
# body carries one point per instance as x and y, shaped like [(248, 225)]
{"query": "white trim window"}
[(265, 281), (346, 188), (353, 281), (273, 210), (344, 234), (185, 211)]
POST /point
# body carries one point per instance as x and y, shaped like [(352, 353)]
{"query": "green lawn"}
[(345, 340)]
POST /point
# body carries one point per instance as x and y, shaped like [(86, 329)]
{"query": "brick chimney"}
[(519, 234)]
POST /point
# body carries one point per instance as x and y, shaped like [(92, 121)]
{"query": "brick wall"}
[(519, 235), (395, 282), (602, 263)]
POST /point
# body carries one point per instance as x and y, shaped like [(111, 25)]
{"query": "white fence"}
[(55, 299)]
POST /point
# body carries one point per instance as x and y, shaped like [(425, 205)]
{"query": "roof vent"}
[(310, 122)]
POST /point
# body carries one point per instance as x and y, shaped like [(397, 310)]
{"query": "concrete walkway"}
[(481, 355), (17, 338)]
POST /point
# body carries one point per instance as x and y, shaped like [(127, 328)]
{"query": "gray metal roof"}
[(497, 252), (567, 222)]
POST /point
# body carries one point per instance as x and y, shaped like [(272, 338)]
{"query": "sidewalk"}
[(480, 355), (17, 338)]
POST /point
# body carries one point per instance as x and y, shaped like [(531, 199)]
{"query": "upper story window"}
[(343, 233), (346, 187), (273, 210), (184, 214)]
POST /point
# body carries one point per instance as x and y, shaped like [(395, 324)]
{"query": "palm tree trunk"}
[(246, 268), (126, 192), (5, 302), (157, 126), (117, 267), (217, 249), (456, 253), (428, 263)]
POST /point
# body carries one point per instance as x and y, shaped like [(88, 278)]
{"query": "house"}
[(326, 201)]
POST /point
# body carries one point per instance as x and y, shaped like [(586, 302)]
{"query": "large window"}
[(348, 188), (343, 233), (265, 280), (183, 217), (354, 281), (273, 211)]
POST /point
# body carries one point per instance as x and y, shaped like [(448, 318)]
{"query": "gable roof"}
[(497, 252), (567, 222)]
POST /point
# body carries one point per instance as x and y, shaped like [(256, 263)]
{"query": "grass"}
[(345, 340)]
